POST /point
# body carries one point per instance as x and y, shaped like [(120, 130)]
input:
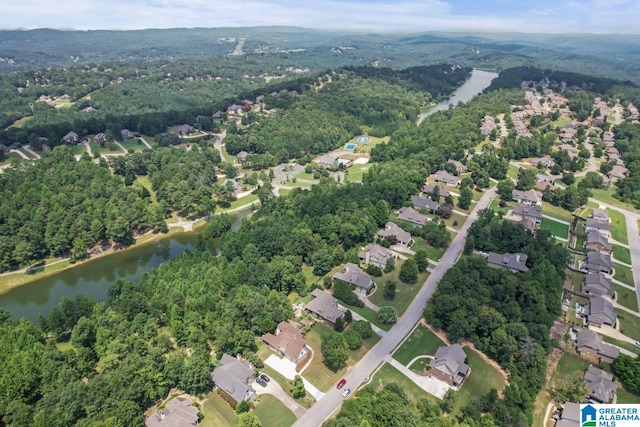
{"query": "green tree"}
[(322, 261), (338, 326), (505, 189), (409, 271), (334, 351), (526, 179), (348, 316), (363, 328), (449, 401), (466, 196), (217, 226), (248, 419), (353, 340), (422, 260), (298, 387), (387, 315), (242, 407), (390, 289), (390, 265)]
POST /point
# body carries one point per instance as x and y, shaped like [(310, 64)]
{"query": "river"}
[(475, 84), (94, 277)]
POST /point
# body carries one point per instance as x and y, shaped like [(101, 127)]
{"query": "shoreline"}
[(20, 277)]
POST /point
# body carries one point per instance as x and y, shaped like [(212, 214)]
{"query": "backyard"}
[(555, 228)]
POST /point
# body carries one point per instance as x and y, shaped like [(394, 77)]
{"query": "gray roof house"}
[(600, 214), (324, 305), (179, 412), (185, 129), (353, 275), (395, 235), (618, 172), (217, 115), (596, 241), (546, 162), (233, 378), (242, 156), (512, 262), (590, 341), (428, 189), (570, 416), (603, 226), (446, 178), (601, 312), (424, 203), (326, 161), (534, 213), (530, 197), (449, 364), (598, 262), (376, 255), (459, 166), (411, 215), (126, 134), (600, 385), (597, 284), (70, 138)]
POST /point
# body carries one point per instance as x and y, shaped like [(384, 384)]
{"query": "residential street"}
[(363, 369)]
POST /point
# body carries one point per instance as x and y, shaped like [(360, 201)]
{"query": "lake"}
[(475, 84), (94, 277)]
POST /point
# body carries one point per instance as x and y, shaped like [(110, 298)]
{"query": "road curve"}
[(365, 367)]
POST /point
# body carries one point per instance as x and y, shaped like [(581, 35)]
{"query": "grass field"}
[(356, 172), (217, 412), (556, 228), (623, 274), (626, 396), (304, 175), (568, 366), (456, 220), (143, 181), (421, 342), (388, 374), (373, 141), (133, 144), (404, 292), (556, 211), (629, 324), (317, 373), (273, 413), (369, 314), (626, 297), (483, 377), (283, 192), (495, 206), (606, 195), (432, 253), (618, 226), (622, 254), (251, 198)]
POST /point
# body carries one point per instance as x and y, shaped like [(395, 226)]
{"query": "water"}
[(477, 82), (93, 278)]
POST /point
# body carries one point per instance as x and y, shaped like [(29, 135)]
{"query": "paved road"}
[(363, 369), (634, 241)]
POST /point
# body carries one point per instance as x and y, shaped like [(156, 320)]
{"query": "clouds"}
[(599, 16)]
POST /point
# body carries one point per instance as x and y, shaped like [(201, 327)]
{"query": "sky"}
[(533, 16)]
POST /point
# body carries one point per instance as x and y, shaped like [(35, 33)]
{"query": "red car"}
[(341, 383)]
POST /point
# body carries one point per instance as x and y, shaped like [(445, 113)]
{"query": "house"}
[(597, 284), (126, 134), (446, 178), (618, 172), (217, 115), (512, 262), (242, 156), (354, 276), (287, 342), (233, 378), (460, 168), (529, 197), (449, 365), (533, 213), (601, 312), (488, 125), (424, 203), (70, 138), (599, 225), (100, 138), (546, 162), (395, 235), (428, 189), (597, 241), (259, 99), (598, 262), (545, 186), (185, 130), (570, 416), (600, 214), (234, 109), (591, 347), (326, 161), (376, 255), (600, 385), (413, 216), (178, 412), (325, 306)]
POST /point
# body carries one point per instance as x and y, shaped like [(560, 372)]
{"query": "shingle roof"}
[(594, 237), (590, 339), (411, 215), (232, 376), (288, 340), (529, 195), (515, 261), (598, 224), (355, 276), (428, 188), (324, 305), (597, 283), (424, 203), (179, 412), (600, 384), (598, 259), (528, 211), (450, 359), (392, 229), (601, 311), (446, 177)]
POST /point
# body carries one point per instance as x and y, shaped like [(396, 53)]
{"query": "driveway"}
[(287, 369), (431, 385), (274, 389)]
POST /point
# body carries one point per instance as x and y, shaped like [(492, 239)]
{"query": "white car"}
[(346, 393)]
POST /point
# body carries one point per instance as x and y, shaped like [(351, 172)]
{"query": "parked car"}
[(341, 384), (346, 393), (638, 343), (265, 378), (262, 382)]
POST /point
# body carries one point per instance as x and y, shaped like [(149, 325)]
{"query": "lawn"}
[(568, 366), (623, 274), (10, 157), (373, 141), (556, 212), (513, 171), (456, 220), (78, 150), (432, 253), (304, 175), (133, 144), (283, 192), (251, 198), (495, 206), (483, 377), (562, 120), (273, 413), (622, 254), (317, 373), (618, 226), (217, 412), (421, 342), (623, 344), (576, 279), (107, 149), (368, 314), (387, 374), (626, 297), (556, 228), (309, 278), (356, 172), (404, 292), (606, 195), (626, 396), (143, 181), (629, 324)]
